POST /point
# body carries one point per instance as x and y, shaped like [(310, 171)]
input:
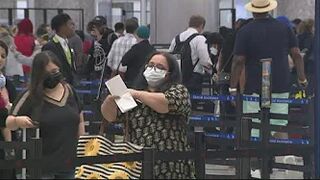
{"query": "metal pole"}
[(317, 89), (82, 19), (265, 99), (200, 148), (10, 17), (266, 83), (60, 11), (45, 16), (24, 153), (26, 13), (143, 13), (35, 153)]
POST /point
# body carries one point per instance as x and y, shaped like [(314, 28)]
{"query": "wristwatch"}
[(232, 90), (303, 83)]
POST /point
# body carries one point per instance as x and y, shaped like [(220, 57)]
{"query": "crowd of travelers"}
[(52, 59)]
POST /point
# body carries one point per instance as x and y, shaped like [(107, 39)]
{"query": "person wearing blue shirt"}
[(265, 37)]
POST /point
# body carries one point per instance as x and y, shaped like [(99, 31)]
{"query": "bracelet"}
[(233, 90)]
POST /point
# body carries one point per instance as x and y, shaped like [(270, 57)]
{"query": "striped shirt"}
[(118, 49)]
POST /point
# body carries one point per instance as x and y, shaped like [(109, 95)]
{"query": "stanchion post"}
[(317, 89), (200, 149), (10, 16), (265, 169), (243, 136), (35, 153), (243, 125), (265, 99), (148, 163)]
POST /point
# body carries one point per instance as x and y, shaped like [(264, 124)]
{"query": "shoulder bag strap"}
[(226, 64), (189, 39)]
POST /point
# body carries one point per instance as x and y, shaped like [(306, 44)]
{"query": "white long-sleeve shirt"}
[(199, 50)]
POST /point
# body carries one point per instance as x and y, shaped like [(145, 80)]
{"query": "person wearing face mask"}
[(52, 105), (160, 119), (214, 42), (7, 95), (136, 57)]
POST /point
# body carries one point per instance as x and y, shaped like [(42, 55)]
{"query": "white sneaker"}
[(290, 160), (256, 173)]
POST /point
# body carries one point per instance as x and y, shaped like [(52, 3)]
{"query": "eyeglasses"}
[(156, 66)]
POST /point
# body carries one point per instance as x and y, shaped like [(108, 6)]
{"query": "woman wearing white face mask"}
[(160, 120), (214, 42)]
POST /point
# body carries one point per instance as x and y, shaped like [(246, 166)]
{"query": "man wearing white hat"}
[(263, 38)]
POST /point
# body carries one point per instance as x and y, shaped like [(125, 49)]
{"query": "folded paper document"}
[(117, 87)]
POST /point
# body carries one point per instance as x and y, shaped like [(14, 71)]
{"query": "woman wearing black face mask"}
[(51, 104)]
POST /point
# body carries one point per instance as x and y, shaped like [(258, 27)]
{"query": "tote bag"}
[(98, 145)]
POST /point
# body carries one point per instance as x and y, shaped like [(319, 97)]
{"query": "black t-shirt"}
[(99, 53), (227, 50), (58, 122), (306, 44), (265, 38)]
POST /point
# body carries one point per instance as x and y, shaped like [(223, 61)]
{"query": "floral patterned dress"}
[(164, 132)]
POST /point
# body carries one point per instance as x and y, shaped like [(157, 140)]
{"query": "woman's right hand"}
[(24, 122)]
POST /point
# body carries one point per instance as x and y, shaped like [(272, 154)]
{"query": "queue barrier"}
[(283, 146), (249, 98), (205, 97), (148, 157), (303, 147)]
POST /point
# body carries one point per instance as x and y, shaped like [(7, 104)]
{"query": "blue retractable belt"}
[(255, 139)]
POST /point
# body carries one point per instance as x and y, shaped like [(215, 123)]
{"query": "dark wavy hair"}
[(39, 73), (174, 75)]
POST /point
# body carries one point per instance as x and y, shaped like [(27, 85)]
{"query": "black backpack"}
[(183, 50)]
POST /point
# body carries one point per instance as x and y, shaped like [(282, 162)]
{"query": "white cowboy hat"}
[(261, 6)]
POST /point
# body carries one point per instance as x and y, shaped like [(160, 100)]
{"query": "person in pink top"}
[(25, 41)]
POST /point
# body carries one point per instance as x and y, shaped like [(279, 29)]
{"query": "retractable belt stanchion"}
[(317, 88), (24, 154), (36, 153), (200, 149), (265, 105)]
